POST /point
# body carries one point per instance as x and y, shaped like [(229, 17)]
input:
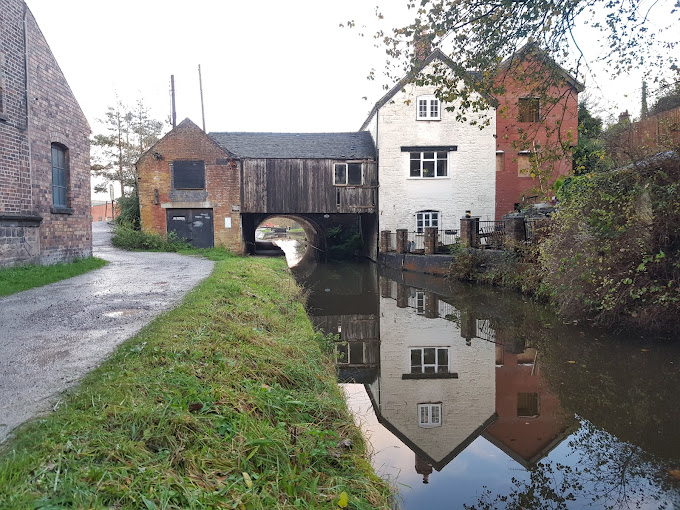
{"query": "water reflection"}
[(471, 397)]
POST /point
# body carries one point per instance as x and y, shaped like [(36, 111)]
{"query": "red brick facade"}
[(222, 184), (38, 109), (511, 183)]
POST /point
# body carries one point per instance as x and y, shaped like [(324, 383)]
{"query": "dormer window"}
[(428, 108)]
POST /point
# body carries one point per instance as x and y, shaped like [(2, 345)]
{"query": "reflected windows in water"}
[(420, 303), (429, 360), (430, 415), (527, 404)]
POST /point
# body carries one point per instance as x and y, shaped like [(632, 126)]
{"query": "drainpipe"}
[(26, 97)]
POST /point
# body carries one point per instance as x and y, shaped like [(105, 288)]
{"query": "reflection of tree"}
[(599, 471)]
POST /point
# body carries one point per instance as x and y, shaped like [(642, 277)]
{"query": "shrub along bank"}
[(228, 401), (612, 253)]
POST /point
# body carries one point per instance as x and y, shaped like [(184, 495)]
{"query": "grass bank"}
[(228, 401), (17, 279)]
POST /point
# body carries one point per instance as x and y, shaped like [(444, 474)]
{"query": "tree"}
[(589, 152), (668, 99), (483, 33), (130, 133)]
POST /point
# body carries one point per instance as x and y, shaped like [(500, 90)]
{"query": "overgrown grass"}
[(228, 401), (127, 237), (16, 279)]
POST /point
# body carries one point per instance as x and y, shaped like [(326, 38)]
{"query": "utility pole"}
[(172, 89), (200, 84)]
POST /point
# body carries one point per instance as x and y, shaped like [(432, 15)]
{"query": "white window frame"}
[(423, 365), (428, 107), (427, 218), (346, 165), (429, 415), (437, 156)]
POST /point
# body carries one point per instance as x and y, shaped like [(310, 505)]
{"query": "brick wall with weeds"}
[(614, 252), (228, 401)]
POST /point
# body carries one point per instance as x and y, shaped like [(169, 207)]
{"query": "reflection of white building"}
[(436, 389)]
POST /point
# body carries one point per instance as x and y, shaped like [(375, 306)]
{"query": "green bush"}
[(343, 244), (127, 237), (614, 253)]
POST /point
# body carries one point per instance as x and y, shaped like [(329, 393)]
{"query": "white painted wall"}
[(467, 402), (471, 182)]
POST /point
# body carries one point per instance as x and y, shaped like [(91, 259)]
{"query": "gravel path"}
[(53, 335)]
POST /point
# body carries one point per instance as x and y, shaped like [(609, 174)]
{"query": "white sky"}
[(267, 65)]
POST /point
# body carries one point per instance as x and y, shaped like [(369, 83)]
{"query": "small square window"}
[(428, 108), (429, 415), (529, 109), (188, 174), (348, 174), (527, 404)]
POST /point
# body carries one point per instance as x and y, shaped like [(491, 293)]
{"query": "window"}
[(524, 164), (429, 360), (500, 161), (188, 174), (59, 176), (349, 353), (429, 415), (426, 219), (428, 108), (348, 174), (527, 404), (420, 302), (529, 109), (429, 164)]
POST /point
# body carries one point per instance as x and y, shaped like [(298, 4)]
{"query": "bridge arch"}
[(315, 232)]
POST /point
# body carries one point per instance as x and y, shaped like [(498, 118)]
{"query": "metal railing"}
[(415, 242), (491, 233), (392, 239), (446, 238)]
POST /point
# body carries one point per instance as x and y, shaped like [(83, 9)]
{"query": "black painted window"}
[(529, 109), (59, 175), (188, 174)]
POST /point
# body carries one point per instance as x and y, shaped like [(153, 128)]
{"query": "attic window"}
[(188, 174), (348, 174), (428, 108), (529, 109)]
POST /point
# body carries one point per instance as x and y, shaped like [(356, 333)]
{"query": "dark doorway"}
[(193, 225)]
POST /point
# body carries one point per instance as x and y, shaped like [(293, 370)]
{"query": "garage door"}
[(193, 225)]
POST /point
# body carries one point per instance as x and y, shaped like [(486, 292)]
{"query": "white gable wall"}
[(471, 181)]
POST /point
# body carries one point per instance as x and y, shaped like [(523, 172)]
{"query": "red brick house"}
[(191, 186), (530, 120), (44, 150)]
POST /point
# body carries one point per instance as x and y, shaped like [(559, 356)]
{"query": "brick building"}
[(44, 148), (191, 186), (530, 122)]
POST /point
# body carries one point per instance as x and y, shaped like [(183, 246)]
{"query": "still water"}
[(472, 397)]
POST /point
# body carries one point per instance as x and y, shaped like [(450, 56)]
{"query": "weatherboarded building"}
[(44, 150), (215, 189)]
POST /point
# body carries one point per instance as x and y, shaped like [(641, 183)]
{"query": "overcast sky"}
[(267, 65)]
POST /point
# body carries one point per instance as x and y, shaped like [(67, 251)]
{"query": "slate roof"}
[(297, 145)]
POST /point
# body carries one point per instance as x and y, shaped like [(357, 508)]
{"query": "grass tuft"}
[(225, 402)]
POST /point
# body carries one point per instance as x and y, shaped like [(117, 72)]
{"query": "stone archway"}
[(314, 232)]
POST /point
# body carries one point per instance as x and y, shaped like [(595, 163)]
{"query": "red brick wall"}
[(188, 142), (509, 185), (104, 212), (52, 116)]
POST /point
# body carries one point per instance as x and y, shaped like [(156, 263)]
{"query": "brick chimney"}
[(624, 117), (422, 45)]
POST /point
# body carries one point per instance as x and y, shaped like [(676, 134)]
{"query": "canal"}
[(474, 397)]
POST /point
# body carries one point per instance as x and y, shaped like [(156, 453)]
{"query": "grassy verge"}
[(16, 279), (228, 401)]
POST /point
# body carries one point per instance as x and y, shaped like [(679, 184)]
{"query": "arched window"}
[(59, 176)]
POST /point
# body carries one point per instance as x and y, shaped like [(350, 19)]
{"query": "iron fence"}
[(392, 241), (446, 238), (491, 233), (415, 242)]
